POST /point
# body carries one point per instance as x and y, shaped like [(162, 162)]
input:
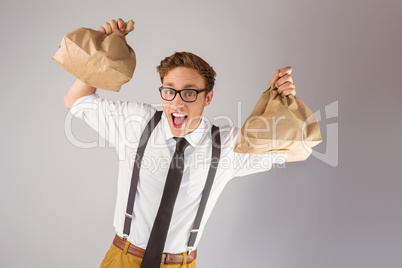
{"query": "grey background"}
[(57, 200)]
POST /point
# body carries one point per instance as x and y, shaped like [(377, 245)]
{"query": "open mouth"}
[(178, 119)]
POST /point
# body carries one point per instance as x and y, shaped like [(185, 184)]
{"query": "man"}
[(187, 87)]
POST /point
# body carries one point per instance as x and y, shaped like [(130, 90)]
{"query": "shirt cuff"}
[(83, 103)]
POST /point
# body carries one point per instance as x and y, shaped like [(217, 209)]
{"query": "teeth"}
[(178, 115)]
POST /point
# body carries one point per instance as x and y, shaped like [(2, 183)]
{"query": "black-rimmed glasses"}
[(187, 95)]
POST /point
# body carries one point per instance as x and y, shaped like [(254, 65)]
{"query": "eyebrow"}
[(187, 86)]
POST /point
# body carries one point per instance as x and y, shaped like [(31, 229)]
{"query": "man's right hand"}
[(114, 27)]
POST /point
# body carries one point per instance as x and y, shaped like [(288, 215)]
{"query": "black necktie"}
[(156, 243)]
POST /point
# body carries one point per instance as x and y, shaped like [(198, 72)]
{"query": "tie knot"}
[(181, 144)]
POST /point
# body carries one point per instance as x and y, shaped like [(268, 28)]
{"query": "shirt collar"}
[(195, 138)]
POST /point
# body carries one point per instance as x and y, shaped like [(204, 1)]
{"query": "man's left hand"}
[(283, 81)]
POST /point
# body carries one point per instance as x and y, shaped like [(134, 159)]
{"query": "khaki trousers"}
[(117, 258)]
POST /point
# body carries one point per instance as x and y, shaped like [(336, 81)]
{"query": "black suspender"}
[(215, 156), (136, 170)]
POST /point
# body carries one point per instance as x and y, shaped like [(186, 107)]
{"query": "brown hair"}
[(189, 60)]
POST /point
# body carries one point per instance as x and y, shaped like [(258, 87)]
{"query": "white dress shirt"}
[(122, 123)]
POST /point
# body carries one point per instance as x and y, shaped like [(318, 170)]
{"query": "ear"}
[(208, 98)]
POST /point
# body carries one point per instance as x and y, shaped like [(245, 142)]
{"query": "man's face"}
[(185, 117)]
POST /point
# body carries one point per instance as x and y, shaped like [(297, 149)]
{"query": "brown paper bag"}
[(96, 59), (278, 124)]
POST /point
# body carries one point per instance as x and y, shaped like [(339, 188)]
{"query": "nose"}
[(177, 101)]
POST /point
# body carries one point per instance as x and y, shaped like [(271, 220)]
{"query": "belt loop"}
[(126, 247), (184, 258)]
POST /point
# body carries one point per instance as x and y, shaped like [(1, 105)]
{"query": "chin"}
[(178, 132)]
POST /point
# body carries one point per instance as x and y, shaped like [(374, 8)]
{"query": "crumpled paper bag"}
[(99, 60), (278, 124)]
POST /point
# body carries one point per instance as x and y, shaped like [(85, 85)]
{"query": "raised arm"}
[(79, 88)]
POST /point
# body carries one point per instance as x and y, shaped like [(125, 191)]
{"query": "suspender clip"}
[(190, 249)]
